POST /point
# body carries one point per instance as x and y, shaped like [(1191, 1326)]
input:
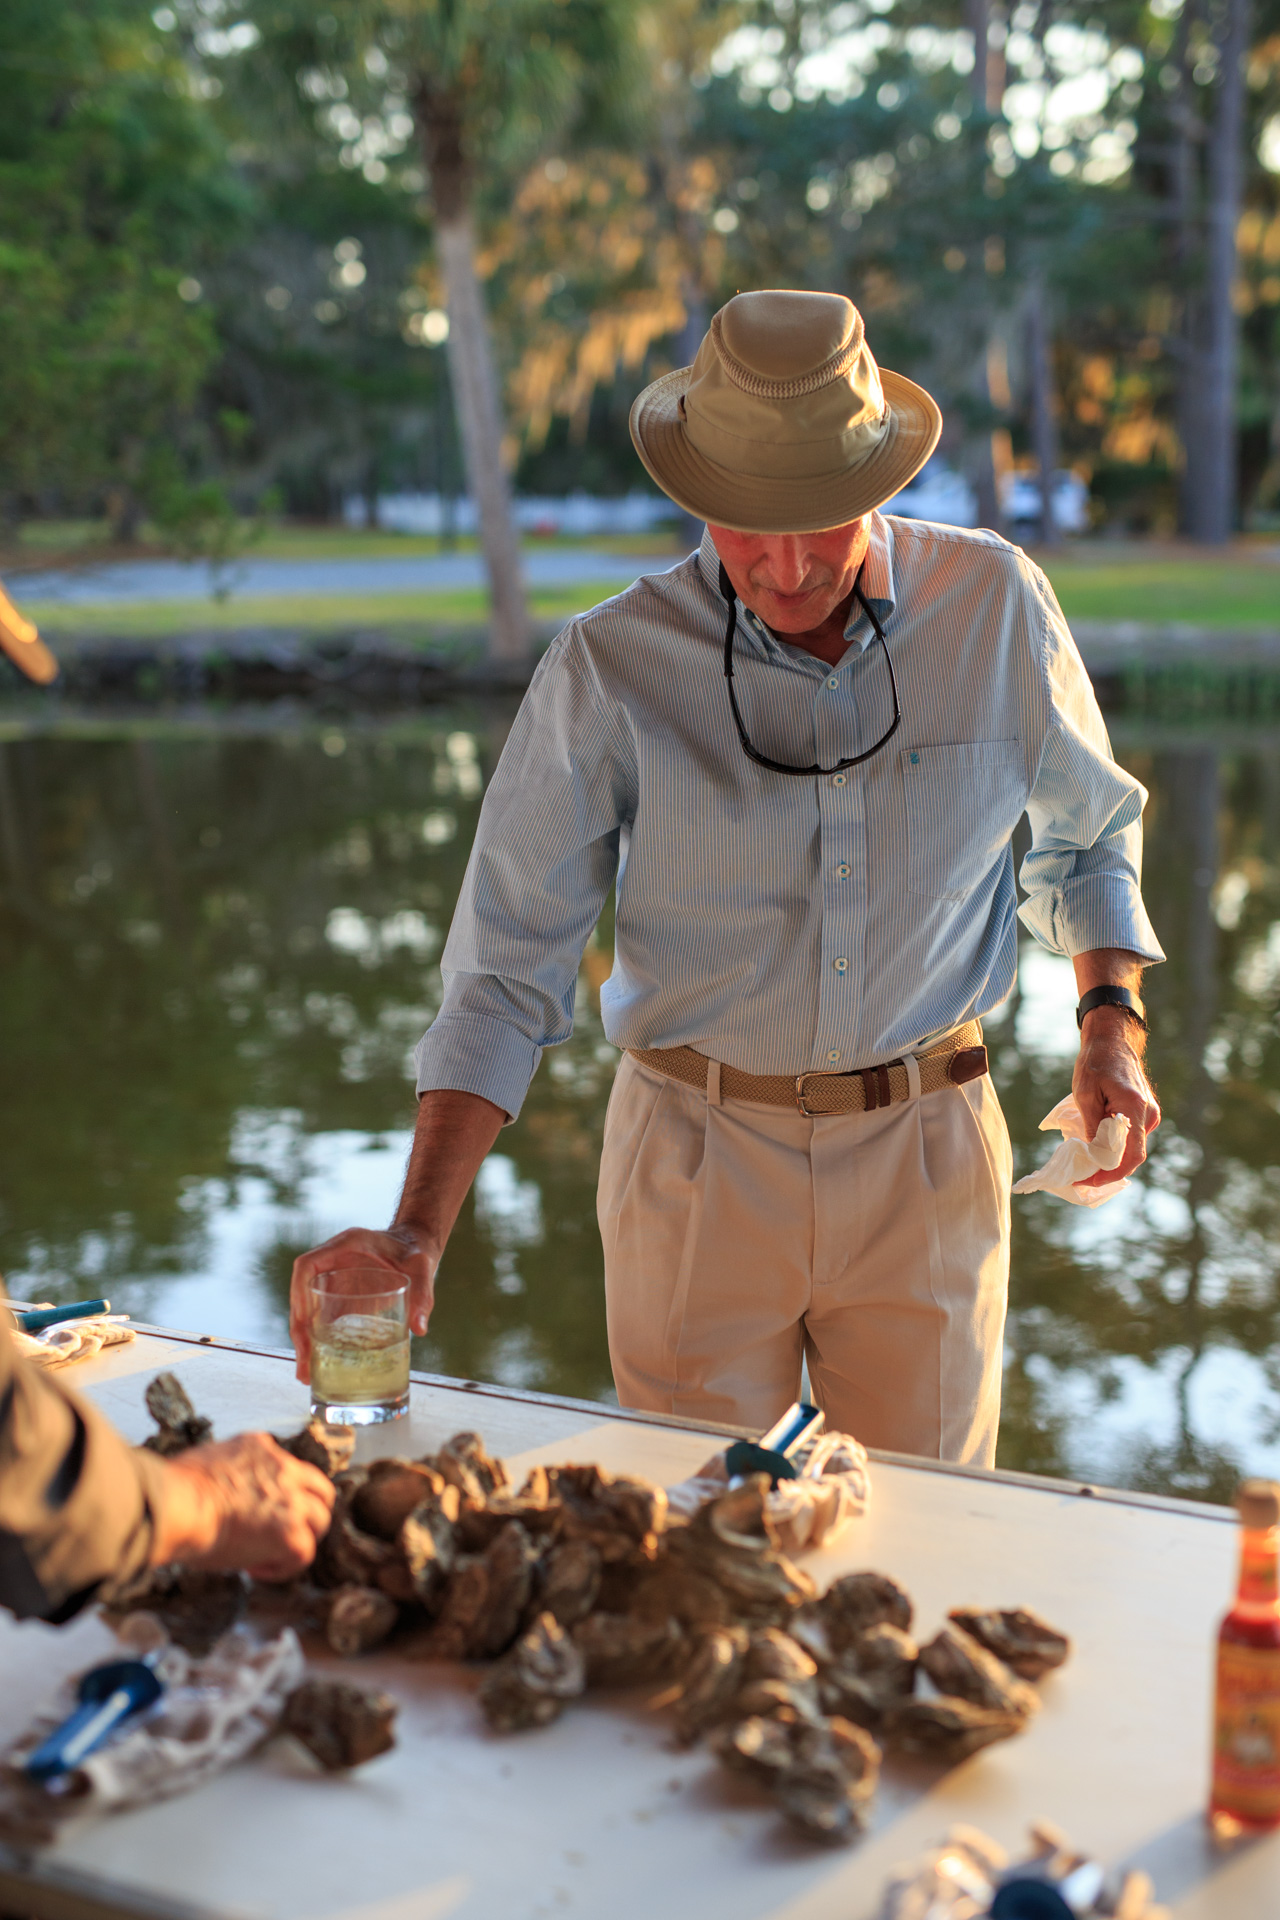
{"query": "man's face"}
[(793, 581)]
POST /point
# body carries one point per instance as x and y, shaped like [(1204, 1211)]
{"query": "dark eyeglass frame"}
[(778, 766)]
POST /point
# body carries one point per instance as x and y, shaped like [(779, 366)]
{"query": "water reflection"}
[(218, 947)]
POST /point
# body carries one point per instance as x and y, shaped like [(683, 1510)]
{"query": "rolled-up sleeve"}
[(1083, 874), (77, 1504), (545, 856)]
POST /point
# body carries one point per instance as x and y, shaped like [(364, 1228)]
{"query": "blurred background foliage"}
[(220, 281)]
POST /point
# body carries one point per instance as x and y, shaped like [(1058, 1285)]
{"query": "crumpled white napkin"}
[(70, 1340), (1078, 1157)]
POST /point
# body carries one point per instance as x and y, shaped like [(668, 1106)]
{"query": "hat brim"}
[(751, 503)]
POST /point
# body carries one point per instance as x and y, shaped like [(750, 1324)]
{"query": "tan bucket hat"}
[(784, 423)]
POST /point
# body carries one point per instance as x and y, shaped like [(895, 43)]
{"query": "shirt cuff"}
[(1090, 912), (466, 1053)]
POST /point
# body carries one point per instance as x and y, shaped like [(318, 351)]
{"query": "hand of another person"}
[(403, 1250), (243, 1504), (1110, 1078)]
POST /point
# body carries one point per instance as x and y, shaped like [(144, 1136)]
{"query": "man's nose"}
[(787, 563)]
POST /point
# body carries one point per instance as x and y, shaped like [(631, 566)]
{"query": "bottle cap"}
[(1258, 1503)]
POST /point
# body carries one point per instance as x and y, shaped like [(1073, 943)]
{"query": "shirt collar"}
[(877, 585)]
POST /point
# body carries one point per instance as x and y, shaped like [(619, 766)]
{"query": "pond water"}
[(219, 943)]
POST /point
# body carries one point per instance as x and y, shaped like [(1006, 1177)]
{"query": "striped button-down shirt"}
[(779, 924)]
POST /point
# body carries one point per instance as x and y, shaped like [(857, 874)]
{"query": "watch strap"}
[(1110, 997)]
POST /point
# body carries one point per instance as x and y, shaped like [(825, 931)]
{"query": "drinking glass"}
[(359, 1346)]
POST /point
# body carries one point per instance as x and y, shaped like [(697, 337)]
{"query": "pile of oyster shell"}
[(584, 1579)]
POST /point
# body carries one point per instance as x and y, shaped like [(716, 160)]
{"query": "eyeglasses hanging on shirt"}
[(753, 753)]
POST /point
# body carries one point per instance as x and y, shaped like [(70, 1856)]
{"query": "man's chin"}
[(800, 615)]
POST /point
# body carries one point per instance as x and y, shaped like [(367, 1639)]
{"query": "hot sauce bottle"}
[(1246, 1732)]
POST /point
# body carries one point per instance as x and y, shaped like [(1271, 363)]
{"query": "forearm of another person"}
[(454, 1132), (1110, 1075), (82, 1512)]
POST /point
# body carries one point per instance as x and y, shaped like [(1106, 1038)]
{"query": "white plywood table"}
[(599, 1816)]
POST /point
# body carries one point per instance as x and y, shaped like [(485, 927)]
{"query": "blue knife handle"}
[(36, 1319), (109, 1695)]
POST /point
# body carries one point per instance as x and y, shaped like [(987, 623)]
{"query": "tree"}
[(489, 84), (106, 165)]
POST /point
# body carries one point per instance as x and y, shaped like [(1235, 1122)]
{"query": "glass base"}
[(365, 1414)]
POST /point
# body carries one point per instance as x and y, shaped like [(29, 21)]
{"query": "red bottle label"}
[(1246, 1752), (1259, 1581)]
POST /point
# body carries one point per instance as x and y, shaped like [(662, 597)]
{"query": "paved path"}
[(141, 580)]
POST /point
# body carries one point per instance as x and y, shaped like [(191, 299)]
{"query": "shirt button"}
[(915, 759), (833, 1055), (841, 966), (833, 682), (843, 870), (838, 780)]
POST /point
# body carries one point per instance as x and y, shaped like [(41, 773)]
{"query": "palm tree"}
[(491, 84)]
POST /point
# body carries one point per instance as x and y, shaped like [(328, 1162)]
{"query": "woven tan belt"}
[(962, 1057)]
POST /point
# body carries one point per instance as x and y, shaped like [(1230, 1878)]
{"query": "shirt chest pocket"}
[(962, 803)]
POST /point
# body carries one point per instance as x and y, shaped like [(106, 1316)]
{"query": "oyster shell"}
[(884, 1656), (195, 1607), (392, 1490), (947, 1729), (485, 1599), (773, 1655), (822, 1773), (1017, 1636), (730, 1541), (617, 1513), (569, 1581), (670, 1589), (341, 1724), (853, 1605), (711, 1683), (959, 1667), (427, 1554), (359, 1618), (467, 1465), (320, 1445), (348, 1556), (179, 1423), (624, 1650), (532, 1684)]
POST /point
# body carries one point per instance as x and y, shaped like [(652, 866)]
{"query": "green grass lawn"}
[(1151, 583), (1239, 590), (415, 617)]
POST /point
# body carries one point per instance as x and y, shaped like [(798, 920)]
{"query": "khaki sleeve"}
[(77, 1504)]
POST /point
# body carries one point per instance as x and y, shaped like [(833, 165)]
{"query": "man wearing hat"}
[(799, 757)]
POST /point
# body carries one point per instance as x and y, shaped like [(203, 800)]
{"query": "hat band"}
[(765, 455)]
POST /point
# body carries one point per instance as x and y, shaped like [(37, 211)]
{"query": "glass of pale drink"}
[(359, 1346)]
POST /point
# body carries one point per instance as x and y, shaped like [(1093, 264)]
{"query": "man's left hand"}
[(1110, 1078)]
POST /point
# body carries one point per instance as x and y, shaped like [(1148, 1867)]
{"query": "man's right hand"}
[(242, 1503), (402, 1250)]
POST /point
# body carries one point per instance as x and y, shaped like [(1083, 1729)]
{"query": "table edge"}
[(604, 1410)]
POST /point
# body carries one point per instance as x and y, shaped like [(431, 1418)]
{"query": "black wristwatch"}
[(1110, 997)]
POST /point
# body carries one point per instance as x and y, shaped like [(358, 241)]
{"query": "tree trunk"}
[(475, 399), (1212, 496), (472, 375), (983, 462), (696, 321), (1044, 424), (1183, 182)]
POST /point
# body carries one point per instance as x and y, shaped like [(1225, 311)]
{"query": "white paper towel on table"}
[(1078, 1157)]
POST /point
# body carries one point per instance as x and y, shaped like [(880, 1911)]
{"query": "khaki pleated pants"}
[(741, 1238)]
